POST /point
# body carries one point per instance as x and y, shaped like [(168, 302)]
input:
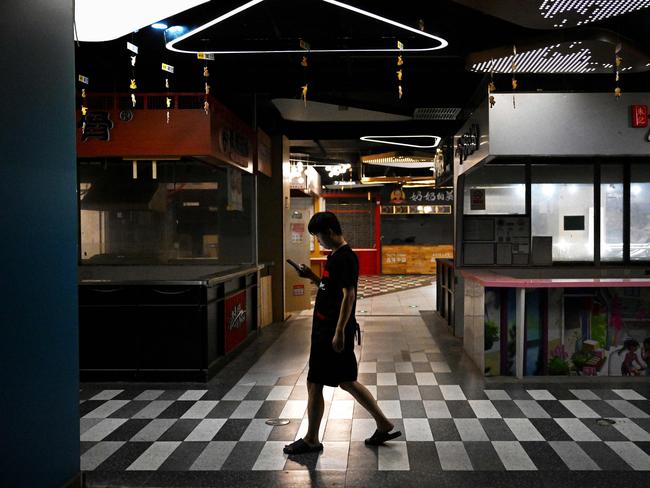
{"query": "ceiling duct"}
[(436, 113)]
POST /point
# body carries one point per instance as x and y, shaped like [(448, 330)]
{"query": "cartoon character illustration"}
[(627, 367)]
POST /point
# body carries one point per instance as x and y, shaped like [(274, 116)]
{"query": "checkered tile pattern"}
[(445, 427), (370, 286)]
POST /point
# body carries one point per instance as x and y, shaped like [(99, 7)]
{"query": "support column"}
[(520, 331), (39, 333)]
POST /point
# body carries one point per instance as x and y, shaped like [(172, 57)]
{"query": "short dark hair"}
[(322, 222)]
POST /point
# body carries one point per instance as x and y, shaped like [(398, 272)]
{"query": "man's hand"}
[(338, 342), (306, 272)]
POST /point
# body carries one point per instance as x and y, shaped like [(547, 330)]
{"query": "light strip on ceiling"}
[(97, 21), (388, 140), (441, 43)]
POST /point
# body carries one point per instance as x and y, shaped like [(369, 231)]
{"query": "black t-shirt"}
[(341, 271)]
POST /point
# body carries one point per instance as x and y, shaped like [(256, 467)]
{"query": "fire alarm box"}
[(639, 116)]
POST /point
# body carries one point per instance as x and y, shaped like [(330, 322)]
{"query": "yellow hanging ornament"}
[(400, 92), (399, 74), (84, 110), (83, 93), (133, 99), (304, 63), (206, 73), (168, 101), (133, 86), (206, 107), (132, 60), (400, 60), (514, 84), (303, 94), (207, 89), (617, 92)]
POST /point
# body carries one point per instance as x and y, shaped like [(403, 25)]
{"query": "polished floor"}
[(458, 429)]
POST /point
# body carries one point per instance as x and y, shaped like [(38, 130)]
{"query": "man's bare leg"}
[(366, 400), (315, 410)]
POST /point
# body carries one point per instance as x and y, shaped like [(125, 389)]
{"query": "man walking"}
[(332, 361)]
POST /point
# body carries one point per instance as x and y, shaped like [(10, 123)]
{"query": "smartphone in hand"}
[(301, 270)]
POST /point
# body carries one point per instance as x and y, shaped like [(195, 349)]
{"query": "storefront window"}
[(170, 212), (639, 213), (492, 190), (611, 212), (562, 199)]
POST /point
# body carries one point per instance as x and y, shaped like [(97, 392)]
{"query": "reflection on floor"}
[(457, 431)]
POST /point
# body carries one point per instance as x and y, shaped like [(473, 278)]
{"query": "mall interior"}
[(489, 163)]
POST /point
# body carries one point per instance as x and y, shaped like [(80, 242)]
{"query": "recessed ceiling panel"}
[(556, 14), (296, 110)]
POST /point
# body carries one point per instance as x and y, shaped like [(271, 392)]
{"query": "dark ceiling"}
[(249, 82)]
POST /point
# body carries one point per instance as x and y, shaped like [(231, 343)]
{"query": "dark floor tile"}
[(243, 456), (129, 410), (602, 408), (515, 393), (183, 457), (387, 393), (338, 430), (359, 412), (232, 430), (223, 410), (643, 423), (550, 429), (84, 446), (560, 392), (436, 357), (555, 409), (606, 394), (303, 462), (176, 410), (180, 430), (216, 392), (367, 378), (643, 405), (422, 368), (88, 406), (270, 409), (460, 409), (127, 430), (258, 393), (423, 457), (124, 456), (171, 395), (362, 457), (444, 430), (104, 479), (483, 456), (413, 409), (604, 432), (285, 432), (604, 456), (508, 409), (288, 380), (544, 456), (497, 430), (406, 379), (385, 367), (645, 447), (430, 392)]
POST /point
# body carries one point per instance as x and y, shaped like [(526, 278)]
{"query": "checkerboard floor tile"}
[(448, 423)]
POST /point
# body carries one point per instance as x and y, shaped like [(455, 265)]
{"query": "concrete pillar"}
[(39, 404)]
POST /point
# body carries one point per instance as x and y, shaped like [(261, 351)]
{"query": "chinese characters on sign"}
[(432, 196)]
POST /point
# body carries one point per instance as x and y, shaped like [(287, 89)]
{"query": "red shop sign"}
[(639, 116), (236, 321)]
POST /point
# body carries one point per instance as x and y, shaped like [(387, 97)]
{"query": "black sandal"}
[(301, 447), (378, 438)]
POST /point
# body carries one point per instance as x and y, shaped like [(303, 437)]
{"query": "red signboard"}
[(235, 321), (639, 116)]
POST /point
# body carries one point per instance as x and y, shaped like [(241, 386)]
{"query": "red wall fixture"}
[(639, 115), (235, 321)]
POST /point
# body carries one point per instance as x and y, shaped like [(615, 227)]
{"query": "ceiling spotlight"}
[(438, 42), (159, 26), (432, 143)]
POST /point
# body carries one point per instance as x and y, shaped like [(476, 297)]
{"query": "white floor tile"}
[(149, 395), (213, 456), (436, 409), (524, 430), (206, 430), (578, 431), (440, 367), (404, 367), (579, 409), (367, 367), (192, 395), (153, 430), (101, 430), (280, 393), (497, 394), (154, 456), (152, 410), (541, 395), (629, 395), (484, 409), (271, 458), (386, 379), (334, 456), (106, 409), (362, 429), (247, 409), (531, 409), (341, 409), (200, 409), (97, 454), (294, 409), (452, 392), (453, 456), (417, 430), (631, 454), (584, 394), (470, 430), (628, 409), (391, 408), (238, 392), (409, 392), (106, 395), (573, 456), (426, 379), (631, 430), (513, 456), (393, 457)]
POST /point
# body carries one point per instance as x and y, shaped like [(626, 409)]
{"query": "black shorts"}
[(326, 366)]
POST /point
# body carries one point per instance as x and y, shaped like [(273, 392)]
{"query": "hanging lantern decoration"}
[(304, 63), (169, 70), (617, 70), (84, 107), (133, 86), (399, 72), (491, 89), (514, 74), (206, 80)]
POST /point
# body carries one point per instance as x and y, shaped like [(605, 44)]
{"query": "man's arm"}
[(306, 272), (344, 315)]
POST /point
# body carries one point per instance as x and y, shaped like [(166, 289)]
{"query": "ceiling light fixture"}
[(105, 21), (159, 26), (440, 42), (399, 160), (389, 140)]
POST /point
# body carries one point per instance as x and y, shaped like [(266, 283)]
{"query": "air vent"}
[(436, 113)]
